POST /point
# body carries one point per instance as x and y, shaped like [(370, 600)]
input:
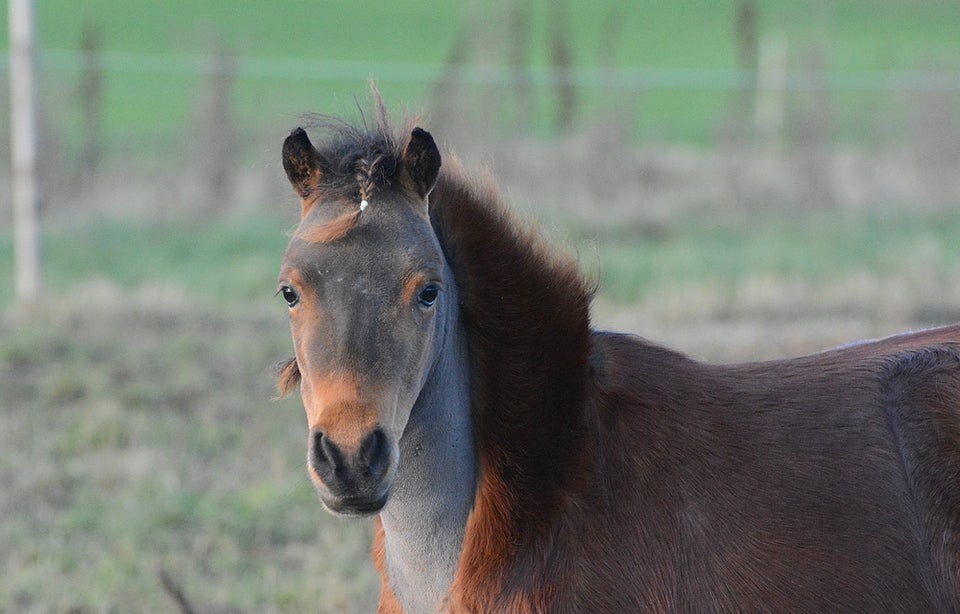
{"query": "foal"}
[(518, 461)]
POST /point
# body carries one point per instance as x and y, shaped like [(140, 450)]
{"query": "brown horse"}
[(520, 462)]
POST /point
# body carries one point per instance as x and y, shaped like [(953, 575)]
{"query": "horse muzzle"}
[(352, 483)]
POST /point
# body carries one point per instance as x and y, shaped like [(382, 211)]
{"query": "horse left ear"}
[(420, 163), (301, 161)]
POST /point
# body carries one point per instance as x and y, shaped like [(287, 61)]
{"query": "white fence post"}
[(23, 144)]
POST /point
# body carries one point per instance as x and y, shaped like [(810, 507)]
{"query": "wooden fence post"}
[(771, 90), (23, 155)]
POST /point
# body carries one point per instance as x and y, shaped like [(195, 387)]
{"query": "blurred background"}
[(749, 179)]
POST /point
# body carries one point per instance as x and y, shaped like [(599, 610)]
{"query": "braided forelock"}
[(370, 174), (359, 160)]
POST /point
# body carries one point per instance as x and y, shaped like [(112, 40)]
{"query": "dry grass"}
[(138, 435)]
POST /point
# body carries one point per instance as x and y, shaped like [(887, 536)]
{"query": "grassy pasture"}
[(138, 436)]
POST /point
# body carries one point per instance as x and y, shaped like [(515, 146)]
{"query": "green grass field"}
[(151, 107)]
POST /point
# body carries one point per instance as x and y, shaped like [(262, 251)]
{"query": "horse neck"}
[(424, 519), (525, 311)]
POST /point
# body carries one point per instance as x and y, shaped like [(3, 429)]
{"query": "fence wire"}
[(614, 78)]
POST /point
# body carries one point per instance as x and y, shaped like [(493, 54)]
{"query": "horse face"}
[(363, 289)]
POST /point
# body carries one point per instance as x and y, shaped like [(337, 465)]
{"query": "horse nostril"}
[(346, 471), (374, 455), (324, 454)]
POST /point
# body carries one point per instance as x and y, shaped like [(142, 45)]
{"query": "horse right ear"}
[(301, 161), (420, 163)]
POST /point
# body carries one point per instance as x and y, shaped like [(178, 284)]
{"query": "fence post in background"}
[(91, 103), (518, 58), (771, 83), (23, 155), (561, 57), (746, 27), (214, 137)]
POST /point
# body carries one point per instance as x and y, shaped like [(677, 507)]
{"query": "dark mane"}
[(526, 309)]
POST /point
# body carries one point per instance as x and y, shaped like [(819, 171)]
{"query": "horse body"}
[(522, 462), (679, 486), (768, 487)]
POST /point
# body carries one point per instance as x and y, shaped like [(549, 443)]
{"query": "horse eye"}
[(428, 296), (290, 295)]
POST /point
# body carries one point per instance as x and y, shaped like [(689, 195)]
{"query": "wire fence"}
[(149, 101), (208, 119), (623, 78)]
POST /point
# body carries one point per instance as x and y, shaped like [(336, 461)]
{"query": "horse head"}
[(362, 278)]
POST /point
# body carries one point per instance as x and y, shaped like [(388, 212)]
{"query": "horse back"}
[(820, 483)]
